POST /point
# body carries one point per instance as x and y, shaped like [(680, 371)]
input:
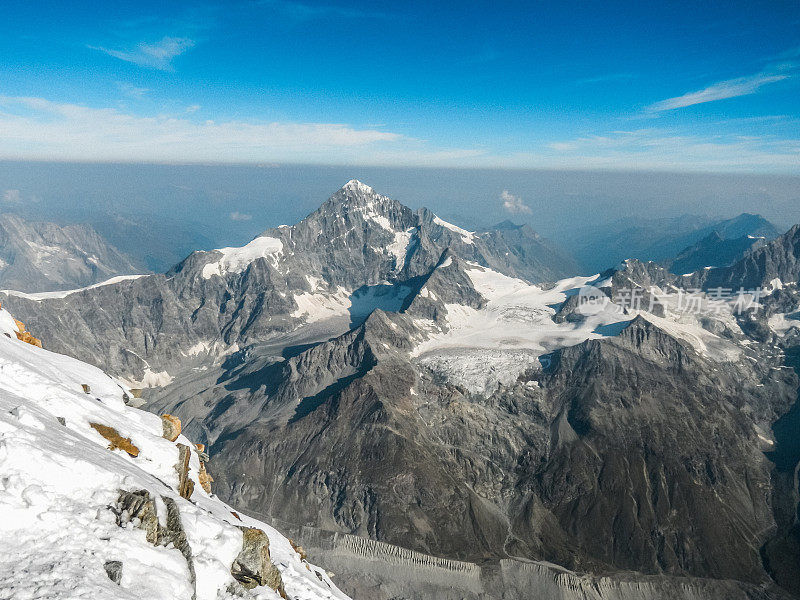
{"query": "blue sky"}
[(695, 86)]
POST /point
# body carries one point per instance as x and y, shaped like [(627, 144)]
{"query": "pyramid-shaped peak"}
[(354, 185)]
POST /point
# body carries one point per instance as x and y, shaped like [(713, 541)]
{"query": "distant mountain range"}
[(689, 241), (40, 257), (435, 417)]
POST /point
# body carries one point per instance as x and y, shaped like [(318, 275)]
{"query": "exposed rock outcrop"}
[(185, 483), (114, 570), (171, 426), (24, 335), (253, 566), (138, 507)]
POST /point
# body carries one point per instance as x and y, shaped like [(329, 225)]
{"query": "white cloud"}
[(131, 90), (742, 86), (158, 55), (192, 108), (514, 204), (39, 129), (36, 128), (237, 216), (12, 196)]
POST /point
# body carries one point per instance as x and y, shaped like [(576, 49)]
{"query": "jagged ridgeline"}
[(431, 418)]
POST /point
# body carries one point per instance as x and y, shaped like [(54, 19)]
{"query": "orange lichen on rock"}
[(171, 426), (205, 478), (24, 336), (116, 441), (299, 549)]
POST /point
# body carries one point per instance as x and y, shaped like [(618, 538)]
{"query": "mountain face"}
[(778, 260), (665, 239), (522, 251), (104, 501), (431, 421), (358, 252), (156, 242), (41, 257), (713, 251)]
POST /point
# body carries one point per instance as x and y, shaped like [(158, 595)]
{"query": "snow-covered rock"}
[(61, 532)]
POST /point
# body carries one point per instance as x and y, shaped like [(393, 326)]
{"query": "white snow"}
[(150, 379), (494, 345), (484, 348), (198, 348), (467, 236), (236, 260), (782, 322), (58, 481), (356, 186), (775, 284), (7, 324), (320, 306), (38, 296), (399, 247)]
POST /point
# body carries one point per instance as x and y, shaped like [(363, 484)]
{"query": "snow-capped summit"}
[(354, 185), (358, 243)]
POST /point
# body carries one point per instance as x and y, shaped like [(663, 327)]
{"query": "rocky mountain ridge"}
[(386, 375), (41, 257), (357, 252)]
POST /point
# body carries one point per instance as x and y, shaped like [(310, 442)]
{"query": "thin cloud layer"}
[(158, 55), (742, 86), (33, 128), (36, 128), (661, 149)]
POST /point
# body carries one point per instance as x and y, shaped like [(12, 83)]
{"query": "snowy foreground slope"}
[(63, 532)]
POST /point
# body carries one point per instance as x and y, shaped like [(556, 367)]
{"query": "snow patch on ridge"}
[(355, 185), (236, 259), (39, 296), (467, 236), (150, 379), (320, 306), (399, 247)]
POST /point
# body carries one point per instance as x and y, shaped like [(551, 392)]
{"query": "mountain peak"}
[(354, 185), (508, 224)]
